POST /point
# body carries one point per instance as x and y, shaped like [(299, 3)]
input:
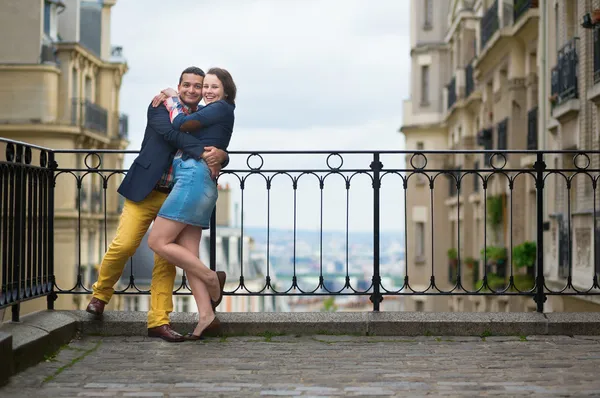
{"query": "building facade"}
[(424, 129), (60, 89), (519, 74)]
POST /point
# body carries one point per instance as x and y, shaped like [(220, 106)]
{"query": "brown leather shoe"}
[(222, 277), (213, 329), (95, 307), (166, 333)]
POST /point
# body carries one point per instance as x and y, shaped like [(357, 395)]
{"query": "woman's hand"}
[(170, 92), (164, 94), (159, 99)]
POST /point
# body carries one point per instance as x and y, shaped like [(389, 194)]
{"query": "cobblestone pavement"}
[(316, 366)]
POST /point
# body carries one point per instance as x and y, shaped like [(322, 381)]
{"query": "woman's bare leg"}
[(190, 239), (162, 241)]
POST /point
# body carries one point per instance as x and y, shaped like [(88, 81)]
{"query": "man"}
[(145, 188)]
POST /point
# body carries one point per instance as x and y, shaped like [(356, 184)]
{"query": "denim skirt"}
[(194, 194)]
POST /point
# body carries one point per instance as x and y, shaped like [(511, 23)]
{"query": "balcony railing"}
[(89, 115), (470, 82), (485, 139), (521, 7), (451, 92), (123, 126), (489, 24), (502, 137), (596, 54), (32, 180), (564, 75), (532, 129)]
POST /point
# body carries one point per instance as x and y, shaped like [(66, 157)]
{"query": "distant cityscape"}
[(310, 255)]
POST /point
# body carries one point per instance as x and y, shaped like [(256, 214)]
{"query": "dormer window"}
[(51, 10)]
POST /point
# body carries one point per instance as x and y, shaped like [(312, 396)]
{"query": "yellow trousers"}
[(133, 225)]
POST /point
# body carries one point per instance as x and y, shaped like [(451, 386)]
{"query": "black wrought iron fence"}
[(26, 225), (382, 185)]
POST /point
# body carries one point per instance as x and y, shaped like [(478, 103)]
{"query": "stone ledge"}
[(115, 323), (36, 335), (6, 353)]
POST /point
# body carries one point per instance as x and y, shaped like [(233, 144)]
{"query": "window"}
[(88, 89), (419, 306), (428, 23), (47, 16), (425, 85), (420, 239), (557, 25)]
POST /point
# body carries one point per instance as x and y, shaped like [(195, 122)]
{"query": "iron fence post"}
[(376, 166), (213, 240), (51, 184), (19, 237), (539, 167)]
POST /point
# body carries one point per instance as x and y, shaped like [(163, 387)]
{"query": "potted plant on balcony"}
[(553, 99), (469, 262), (452, 257), (524, 256)]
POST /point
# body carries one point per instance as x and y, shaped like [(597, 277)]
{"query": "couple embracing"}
[(172, 182)]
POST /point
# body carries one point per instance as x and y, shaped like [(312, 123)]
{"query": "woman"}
[(187, 210)]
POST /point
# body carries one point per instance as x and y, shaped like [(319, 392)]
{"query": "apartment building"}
[(511, 82), (424, 129), (59, 88)]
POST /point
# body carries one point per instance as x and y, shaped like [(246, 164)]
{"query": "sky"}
[(311, 75)]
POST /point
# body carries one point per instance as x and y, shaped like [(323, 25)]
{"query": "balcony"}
[(489, 24), (502, 138), (451, 92), (532, 129), (89, 115), (522, 6), (123, 131), (564, 83), (596, 54), (470, 82)]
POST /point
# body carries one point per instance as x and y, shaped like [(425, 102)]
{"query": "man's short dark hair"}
[(194, 70)]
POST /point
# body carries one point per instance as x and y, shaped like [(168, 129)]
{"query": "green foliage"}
[(452, 254), (494, 253), (329, 305), (524, 255), (494, 281), (494, 210)]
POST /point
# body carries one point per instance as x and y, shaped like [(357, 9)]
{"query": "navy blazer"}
[(160, 143)]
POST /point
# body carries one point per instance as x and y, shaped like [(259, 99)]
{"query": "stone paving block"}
[(322, 365)]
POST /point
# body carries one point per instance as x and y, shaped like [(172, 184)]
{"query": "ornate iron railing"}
[(451, 92), (564, 75), (532, 129), (596, 54), (470, 82), (489, 24), (384, 179), (89, 115), (521, 7)]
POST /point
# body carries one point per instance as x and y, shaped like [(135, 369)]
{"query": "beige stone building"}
[(424, 128), (510, 81), (60, 83), (572, 88)]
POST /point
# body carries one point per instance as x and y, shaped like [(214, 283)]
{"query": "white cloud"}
[(311, 74)]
